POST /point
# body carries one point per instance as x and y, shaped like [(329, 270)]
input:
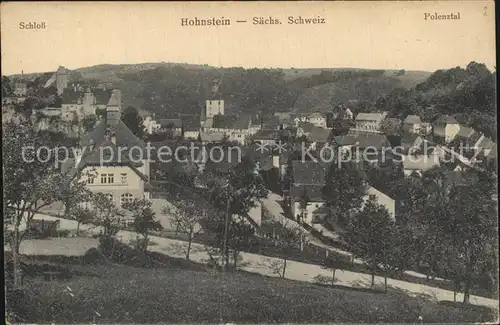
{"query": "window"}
[(126, 197), (124, 178), (107, 178), (90, 179)]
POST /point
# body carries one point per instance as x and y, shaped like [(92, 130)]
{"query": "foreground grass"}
[(184, 292)]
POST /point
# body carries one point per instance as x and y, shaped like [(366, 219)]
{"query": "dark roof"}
[(314, 192), (70, 96), (114, 99), (231, 122), (373, 140), (222, 161), (459, 178), (170, 123), (271, 122), (190, 122), (256, 119), (307, 127), (412, 119), (446, 119), (309, 172), (101, 96), (318, 134), (266, 134), (394, 140), (124, 137), (344, 140)]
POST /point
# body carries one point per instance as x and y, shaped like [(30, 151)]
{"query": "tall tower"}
[(114, 108), (62, 79), (214, 107)]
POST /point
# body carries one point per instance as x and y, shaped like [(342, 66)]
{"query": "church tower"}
[(62, 79)]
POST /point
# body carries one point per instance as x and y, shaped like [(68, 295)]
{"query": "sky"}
[(372, 35)]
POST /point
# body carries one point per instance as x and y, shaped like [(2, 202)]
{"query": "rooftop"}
[(231, 122), (378, 117), (446, 119), (412, 119), (309, 172), (170, 123)]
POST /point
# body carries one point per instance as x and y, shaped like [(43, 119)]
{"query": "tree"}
[(334, 262), (240, 237), (344, 189), (472, 226), (288, 238), (106, 214), (144, 219), (303, 203), (233, 194), (369, 235), (88, 122), (82, 215), (391, 126), (32, 180), (341, 125), (133, 121), (6, 87), (187, 217), (398, 251)]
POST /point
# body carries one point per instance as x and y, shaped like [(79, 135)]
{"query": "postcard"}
[(250, 162)]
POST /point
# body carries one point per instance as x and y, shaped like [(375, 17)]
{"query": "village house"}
[(445, 128), (412, 124), (342, 112), (266, 137), (190, 126), (285, 119), (317, 119), (151, 126), (20, 89), (235, 128), (211, 137), (112, 160), (369, 146), (173, 127), (370, 121), (319, 137), (382, 199), (307, 199), (487, 147), (77, 102), (417, 164), (309, 180)]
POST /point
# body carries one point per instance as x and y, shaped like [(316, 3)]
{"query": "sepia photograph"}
[(250, 162)]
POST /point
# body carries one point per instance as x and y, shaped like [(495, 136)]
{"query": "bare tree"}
[(144, 219), (106, 214), (288, 238), (186, 217)]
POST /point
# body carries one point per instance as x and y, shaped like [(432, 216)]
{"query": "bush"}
[(93, 256), (321, 279), (121, 253), (63, 233)]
